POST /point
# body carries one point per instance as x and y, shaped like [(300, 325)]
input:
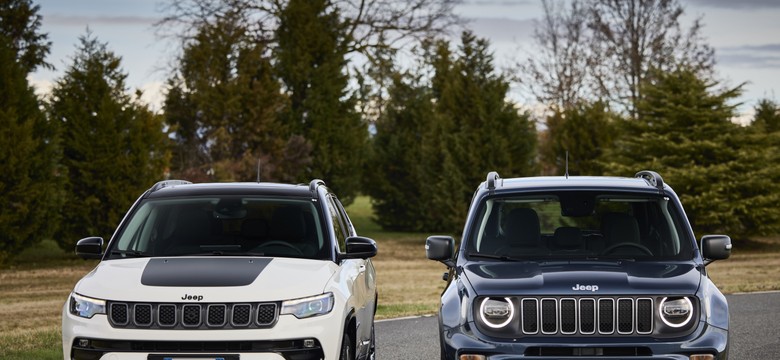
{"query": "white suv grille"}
[(192, 316)]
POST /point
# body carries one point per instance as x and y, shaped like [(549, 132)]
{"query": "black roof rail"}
[(167, 183), (651, 177), (313, 185), (490, 182)]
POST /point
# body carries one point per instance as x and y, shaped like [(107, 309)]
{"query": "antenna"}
[(567, 164), (258, 170)]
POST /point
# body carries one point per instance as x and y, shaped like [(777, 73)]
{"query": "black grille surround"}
[(578, 316), (192, 316)]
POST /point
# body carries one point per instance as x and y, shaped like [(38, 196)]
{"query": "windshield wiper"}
[(496, 257), (131, 253)]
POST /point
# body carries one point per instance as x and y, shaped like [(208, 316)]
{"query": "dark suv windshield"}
[(222, 226), (579, 225)]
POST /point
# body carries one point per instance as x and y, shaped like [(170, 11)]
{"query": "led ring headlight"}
[(496, 310), (678, 308)]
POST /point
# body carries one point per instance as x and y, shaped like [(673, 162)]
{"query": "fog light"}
[(83, 343), (472, 357), (308, 343), (702, 357)]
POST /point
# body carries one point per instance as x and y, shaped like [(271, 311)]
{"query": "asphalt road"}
[(755, 331)]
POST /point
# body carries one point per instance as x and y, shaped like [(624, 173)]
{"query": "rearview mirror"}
[(440, 248), (90, 248), (715, 247)]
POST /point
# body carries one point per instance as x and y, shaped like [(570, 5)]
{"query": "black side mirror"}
[(440, 248), (359, 247), (90, 248), (715, 247)]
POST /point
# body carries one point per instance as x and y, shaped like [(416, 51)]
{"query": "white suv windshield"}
[(571, 225), (222, 225)]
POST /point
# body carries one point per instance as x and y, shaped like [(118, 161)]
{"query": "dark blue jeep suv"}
[(580, 268)]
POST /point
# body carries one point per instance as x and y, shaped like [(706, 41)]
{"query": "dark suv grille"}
[(192, 316), (586, 316)]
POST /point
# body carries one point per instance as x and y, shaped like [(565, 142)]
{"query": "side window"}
[(339, 229), (349, 228)]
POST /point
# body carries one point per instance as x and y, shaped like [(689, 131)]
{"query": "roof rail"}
[(651, 177), (167, 183), (313, 186), (490, 182)]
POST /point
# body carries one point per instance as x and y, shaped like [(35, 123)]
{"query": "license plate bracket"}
[(193, 357)]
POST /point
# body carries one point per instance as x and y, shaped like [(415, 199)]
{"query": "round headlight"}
[(676, 312), (496, 312)]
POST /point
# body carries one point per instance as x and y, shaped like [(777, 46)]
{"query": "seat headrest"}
[(619, 227), (288, 224), (522, 227), (568, 238), (254, 228)]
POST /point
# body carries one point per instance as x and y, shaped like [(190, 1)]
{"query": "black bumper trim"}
[(288, 349)]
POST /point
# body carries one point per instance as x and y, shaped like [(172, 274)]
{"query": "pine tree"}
[(685, 133), (586, 131), (310, 60), (29, 175), (395, 176), (479, 129), (114, 147), (441, 133), (224, 107)]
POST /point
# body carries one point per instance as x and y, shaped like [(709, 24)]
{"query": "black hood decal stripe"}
[(203, 271)]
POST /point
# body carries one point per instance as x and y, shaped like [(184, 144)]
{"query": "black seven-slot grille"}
[(586, 316), (192, 316)]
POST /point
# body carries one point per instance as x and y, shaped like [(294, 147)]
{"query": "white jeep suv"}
[(226, 271)]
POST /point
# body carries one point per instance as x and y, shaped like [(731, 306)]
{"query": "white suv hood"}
[(216, 279)]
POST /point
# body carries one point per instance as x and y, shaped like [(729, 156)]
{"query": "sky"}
[(744, 33)]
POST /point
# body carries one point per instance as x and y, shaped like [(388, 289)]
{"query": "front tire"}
[(347, 351)]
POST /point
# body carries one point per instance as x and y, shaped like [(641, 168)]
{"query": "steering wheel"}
[(282, 244), (641, 247)]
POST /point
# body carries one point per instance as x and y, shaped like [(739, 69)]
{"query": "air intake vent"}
[(119, 314), (266, 314), (142, 314)]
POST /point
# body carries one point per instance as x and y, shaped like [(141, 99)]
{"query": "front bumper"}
[(289, 339), (706, 340)]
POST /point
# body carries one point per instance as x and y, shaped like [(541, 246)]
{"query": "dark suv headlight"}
[(676, 312), (496, 312)]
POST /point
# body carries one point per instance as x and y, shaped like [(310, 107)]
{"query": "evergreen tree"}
[(224, 107), (686, 134), (29, 176), (441, 134), (478, 129), (114, 147), (310, 60), (586, 131), (395, 174), (767, 118)]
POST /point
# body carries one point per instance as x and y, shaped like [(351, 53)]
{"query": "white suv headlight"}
[(86, 307), (308, 307)]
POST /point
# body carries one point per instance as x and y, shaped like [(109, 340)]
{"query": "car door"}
[(361, 276)]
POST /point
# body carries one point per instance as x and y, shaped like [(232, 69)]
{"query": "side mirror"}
[(715, 247), (90, 248), (440, 248), (359, 247)]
